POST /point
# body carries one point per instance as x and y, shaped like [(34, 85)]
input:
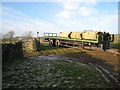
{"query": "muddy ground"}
[(106, 62), (62, 67)]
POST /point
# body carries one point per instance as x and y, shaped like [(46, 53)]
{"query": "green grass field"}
[(35, 73)]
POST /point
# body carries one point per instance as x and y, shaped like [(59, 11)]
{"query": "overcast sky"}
[(58, 16)]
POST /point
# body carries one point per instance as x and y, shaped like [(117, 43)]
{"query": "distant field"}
[(116, 43), (117, 38)]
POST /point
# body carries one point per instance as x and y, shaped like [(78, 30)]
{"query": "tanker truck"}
[(85, 38)]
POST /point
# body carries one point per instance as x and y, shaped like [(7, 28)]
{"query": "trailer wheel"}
[(51, 42), (57, 43)]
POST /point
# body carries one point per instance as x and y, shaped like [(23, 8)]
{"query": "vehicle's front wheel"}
[(51, 42)]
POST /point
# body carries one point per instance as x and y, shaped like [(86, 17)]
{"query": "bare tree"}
[(4, 38), (8, 36), (27, 35)]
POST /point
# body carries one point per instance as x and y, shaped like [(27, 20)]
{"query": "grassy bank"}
[(34, 73)]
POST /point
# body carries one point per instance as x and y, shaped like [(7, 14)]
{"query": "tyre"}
[(51, 42), (57, 43)]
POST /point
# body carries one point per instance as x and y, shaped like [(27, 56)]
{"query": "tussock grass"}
[(35, 73)]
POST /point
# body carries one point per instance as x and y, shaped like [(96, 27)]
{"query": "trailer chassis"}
[(54, 40)]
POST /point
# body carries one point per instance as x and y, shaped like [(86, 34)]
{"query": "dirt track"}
[(107, 70), (105, 62)]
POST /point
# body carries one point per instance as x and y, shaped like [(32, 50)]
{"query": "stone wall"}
[(30, 45), (11, 52)]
